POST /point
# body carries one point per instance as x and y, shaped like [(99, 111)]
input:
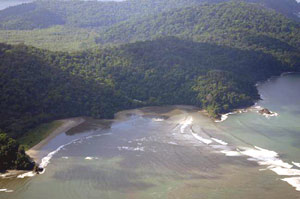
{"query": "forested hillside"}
[(35, 91), (45, 13), (77, 25), (83, 13), (208, 55), (233, 24), (38, 85)]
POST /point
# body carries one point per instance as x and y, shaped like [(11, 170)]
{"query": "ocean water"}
[(176, 152)]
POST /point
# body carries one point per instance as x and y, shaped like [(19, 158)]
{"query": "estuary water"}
[(176, 152)]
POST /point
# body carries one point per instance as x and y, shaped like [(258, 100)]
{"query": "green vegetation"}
[(12, 155), (44, 14), (38, 86), (56, 38), (208, 55), (28, 16), (34, 91), (224, 91), (76, 25), (84, 14), (39, 133), (233, 24)]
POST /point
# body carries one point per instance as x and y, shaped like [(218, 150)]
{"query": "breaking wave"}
[(6, 190), (46, 160), (261, 156)]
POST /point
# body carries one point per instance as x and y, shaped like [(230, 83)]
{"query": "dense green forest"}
[(12, 155), (55, 38), (43, 13), (234, 24), (137, 53), (78, 25), (34, 91), (39, 85)]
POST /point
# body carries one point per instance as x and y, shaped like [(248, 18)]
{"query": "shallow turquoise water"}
[(281, 133)]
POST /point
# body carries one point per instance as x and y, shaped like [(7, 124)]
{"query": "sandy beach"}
[(67, 124)]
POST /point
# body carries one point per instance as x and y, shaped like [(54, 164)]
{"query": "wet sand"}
[(151, 152), (67, 124)]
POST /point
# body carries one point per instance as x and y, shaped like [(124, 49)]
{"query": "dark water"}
[(176, 152)]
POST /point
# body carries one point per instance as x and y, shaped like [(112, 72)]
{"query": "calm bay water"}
[(176, 152)]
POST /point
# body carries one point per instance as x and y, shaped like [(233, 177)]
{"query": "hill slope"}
[(38, 85), (43, 14), (34, 91), (234, 24), (220, 51)]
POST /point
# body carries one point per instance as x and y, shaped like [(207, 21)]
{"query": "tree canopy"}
[(12, 155), (157, 52)]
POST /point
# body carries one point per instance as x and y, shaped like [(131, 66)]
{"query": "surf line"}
[(46, 160), (260, 155)]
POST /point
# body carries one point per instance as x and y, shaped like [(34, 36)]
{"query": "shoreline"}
[(69, 123), (66, 125)]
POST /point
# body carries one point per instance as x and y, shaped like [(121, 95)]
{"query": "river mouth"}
[(165, 152)]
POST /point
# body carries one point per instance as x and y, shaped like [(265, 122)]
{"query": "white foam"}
[(6, 190), (296, 164), (220, 147), (259, 108), (294, 181), (271, 159), (158, 119), (28, 174), (272, 114), (141, 139), (88, 158), (65, 157), (185, 124), (219, 141), (265, 157), (225, 116), (286, 172), (4, 175), (172, 143), (120, 148), (201, 139), (231, 153), (46, 160)]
